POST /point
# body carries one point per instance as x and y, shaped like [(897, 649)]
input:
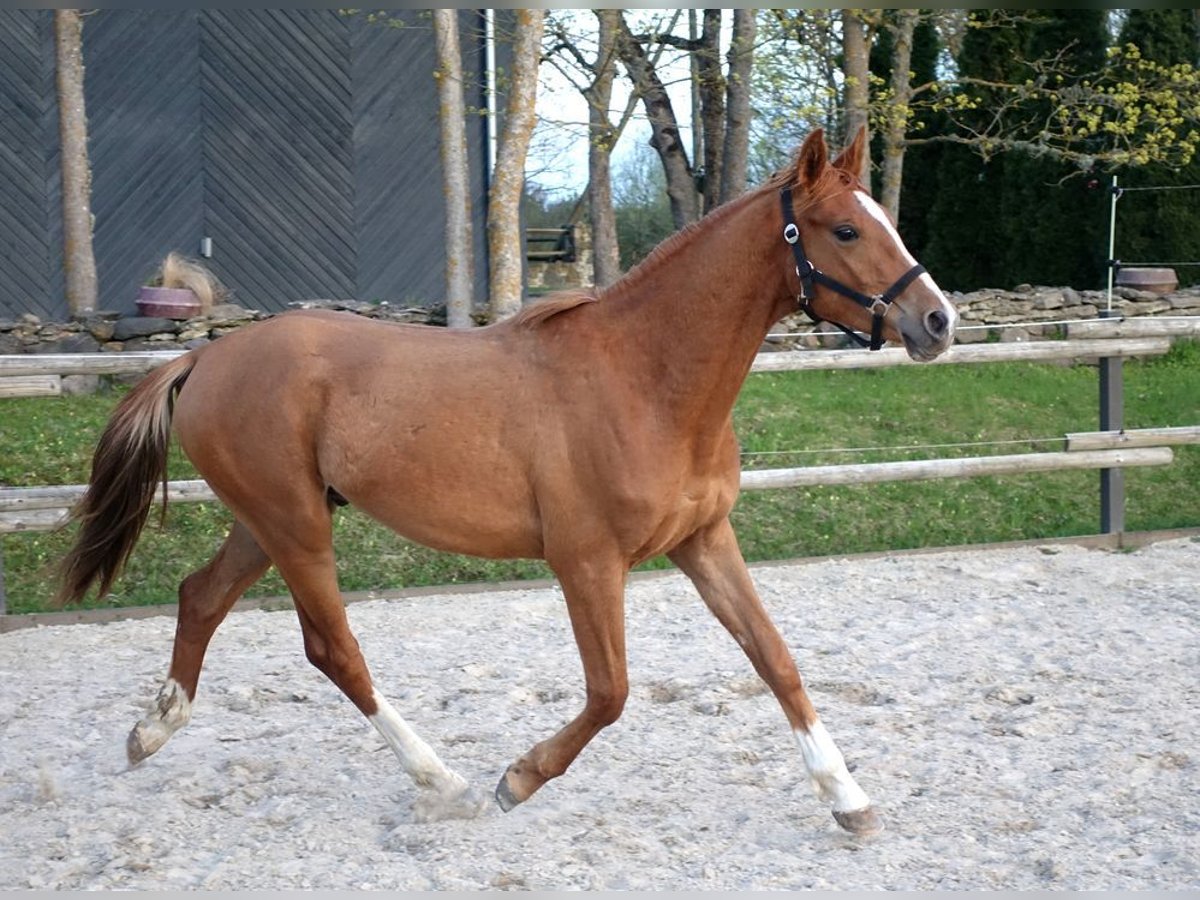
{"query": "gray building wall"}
[(303, 143)]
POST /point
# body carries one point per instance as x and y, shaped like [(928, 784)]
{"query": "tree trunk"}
[(712, 105), (606, 257), (79, 262), (856, 69), (665, 138), (455, 175), (506, 245), (737, 106), (694, 96), (897, 118)]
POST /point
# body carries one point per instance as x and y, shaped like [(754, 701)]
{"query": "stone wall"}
[(105, 332), (109, 332), (1043, 306), (982, 312)]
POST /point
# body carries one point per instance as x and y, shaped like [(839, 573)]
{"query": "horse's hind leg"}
[(714, 563), (205, 598), (302, 551)]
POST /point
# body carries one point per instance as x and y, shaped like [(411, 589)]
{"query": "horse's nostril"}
[(936, 322)]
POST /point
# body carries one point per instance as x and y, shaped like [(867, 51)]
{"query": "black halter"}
[(810, 275)]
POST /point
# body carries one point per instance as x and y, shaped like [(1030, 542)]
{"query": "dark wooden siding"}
[(279, 183), (398, 161), (303, 143), (27, 126), (143, 105)]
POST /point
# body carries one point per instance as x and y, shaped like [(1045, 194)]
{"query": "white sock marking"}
[(172, 710), (416, 757), (827, 770)]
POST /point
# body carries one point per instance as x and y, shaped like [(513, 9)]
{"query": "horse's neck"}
[(695, 314)]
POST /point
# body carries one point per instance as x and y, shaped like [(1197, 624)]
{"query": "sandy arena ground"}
[(1023, 718)]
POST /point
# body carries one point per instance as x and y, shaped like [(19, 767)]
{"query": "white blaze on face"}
[(876, 212), (827, 769)]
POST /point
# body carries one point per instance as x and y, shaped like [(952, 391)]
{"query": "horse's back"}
[(430, 430), (476, 441)]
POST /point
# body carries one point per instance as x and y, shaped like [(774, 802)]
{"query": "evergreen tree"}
[(1164, 35), (1054, 229), (966, 234), (1018, 217), (1161, 226)]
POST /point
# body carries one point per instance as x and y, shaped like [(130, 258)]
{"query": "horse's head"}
[(853, 269)]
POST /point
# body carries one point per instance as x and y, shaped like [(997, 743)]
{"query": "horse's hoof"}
[(863, 822), (504, 794), (145, 739)]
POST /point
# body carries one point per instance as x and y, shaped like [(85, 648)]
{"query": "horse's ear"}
[(851, 159), (812, 158)]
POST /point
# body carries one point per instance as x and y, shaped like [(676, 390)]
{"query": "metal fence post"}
[(1112, 418), (1112, 394)]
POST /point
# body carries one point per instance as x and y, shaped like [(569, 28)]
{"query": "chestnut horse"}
[(592, 430)]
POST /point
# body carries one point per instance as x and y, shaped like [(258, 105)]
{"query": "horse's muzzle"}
[(927, 327)]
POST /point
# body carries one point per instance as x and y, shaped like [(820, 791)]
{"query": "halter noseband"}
[(810, 275)]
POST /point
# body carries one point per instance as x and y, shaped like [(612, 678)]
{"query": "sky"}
[(558, 154)]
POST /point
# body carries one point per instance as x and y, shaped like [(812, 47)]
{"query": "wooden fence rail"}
[(962, 467), (40, 371), (1023, 351), (46, 508)]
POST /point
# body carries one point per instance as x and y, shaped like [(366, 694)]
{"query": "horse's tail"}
[(129, 462)]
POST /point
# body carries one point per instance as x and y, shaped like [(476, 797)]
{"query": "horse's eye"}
[(845, 234)]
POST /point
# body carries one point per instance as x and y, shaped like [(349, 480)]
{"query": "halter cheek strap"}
[(810, 276)]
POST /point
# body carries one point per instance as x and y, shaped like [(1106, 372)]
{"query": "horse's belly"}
[(479, 519)]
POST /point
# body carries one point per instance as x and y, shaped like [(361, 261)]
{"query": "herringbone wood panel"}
[(304, 143)]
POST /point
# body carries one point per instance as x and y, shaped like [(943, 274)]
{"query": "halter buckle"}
[(791, 233)]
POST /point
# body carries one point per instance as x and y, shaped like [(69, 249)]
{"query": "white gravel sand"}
[(1023, 718)]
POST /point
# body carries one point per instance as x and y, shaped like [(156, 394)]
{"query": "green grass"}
[(784, 419)]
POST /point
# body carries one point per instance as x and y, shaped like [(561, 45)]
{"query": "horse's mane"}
[(535, 314), (684, 235), (831, 182)]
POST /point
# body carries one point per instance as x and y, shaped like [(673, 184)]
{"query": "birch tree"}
[(856, 43), (506, 247), (569, 52), (79, 262), (606, 258), (736, 155), (711, 88), (896, 118), (720, 128), (455, 174), (665, 135)]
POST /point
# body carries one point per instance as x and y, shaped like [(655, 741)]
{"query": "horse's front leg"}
[(712, 560), (595, 596)]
